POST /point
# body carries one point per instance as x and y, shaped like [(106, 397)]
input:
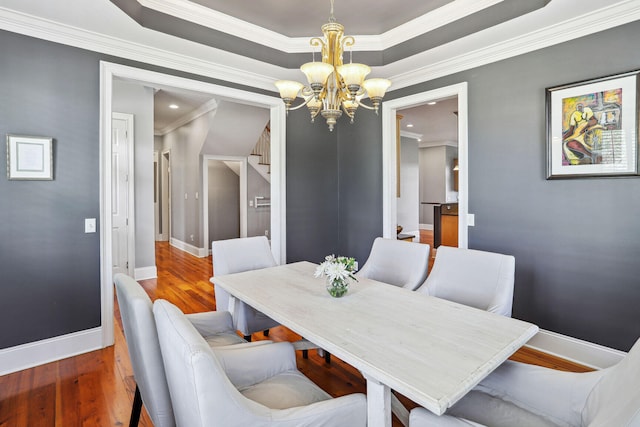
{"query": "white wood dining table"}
[(428, 349)]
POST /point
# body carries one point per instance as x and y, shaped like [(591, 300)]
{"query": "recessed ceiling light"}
[(174, 106), (409, 125), (432, 103)]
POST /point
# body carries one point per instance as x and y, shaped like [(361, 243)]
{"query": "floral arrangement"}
[(338, 270)]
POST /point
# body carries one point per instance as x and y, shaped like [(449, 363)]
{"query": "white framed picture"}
[(592, 128), (29, 157)]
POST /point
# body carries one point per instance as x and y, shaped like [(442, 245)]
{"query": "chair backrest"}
[(238, 255), (475, 278), (204, 396), (396, 262), (615, 400), (140, 332)]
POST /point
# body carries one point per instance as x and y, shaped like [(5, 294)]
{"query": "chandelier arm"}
[(306, 101), (361, 104), (351, 115), (348, 41), (317, 42)]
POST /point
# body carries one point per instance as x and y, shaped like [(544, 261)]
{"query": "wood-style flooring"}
[(96, 389)]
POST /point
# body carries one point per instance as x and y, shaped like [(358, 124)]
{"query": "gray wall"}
[(576, 242), (312, 189), (136, 99), (224, 202), (50, 282)]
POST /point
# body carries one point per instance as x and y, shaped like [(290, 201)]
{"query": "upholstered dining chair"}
[(256, 386), (471, 277), (136, 310), (397, 263), (517, 394), (235, 256)]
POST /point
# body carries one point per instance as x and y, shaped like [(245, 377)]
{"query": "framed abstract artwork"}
[(592, 128), (29, 157)]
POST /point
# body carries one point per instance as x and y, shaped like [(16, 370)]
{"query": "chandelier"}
[(333, 87)]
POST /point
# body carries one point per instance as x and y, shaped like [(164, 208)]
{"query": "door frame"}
[(165, 156), (389, 156), (131, 207), (205, 193), (111, 71)]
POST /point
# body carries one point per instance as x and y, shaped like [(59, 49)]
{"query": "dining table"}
[(430, 350)]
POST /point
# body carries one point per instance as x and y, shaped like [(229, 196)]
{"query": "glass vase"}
[(337, 288)]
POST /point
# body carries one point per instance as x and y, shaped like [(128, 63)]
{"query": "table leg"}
[(378, 403)]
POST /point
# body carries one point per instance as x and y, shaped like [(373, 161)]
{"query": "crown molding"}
[(411, 135), (593, 22), (404, 73), (201, 15), (200, 111), (45, 29)]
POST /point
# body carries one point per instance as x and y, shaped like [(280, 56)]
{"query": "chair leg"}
[(247, 338), (136, 409), (265, 332)]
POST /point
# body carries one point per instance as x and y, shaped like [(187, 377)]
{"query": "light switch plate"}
[(471, 220), (89, 225)]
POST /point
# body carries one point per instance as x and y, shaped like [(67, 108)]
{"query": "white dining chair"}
[(235, 256), (257, 387), (471, 277), (136, 311), (518, 394), (396, 262)]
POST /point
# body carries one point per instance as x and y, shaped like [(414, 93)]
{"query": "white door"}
[(120, 134)]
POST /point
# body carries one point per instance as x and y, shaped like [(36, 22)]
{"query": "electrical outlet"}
[(266, 233)]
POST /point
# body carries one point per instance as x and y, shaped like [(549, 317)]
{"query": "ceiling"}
[(295, 18), (431, 124)]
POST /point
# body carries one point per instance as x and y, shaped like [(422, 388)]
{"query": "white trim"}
[(186, 247), (389, 200), (110, 71), (219, 21), (583, 352), (412, 135), (419, 68), (205, 194), (144, 273), (426, 226), (37, 353), (590, 23), (258, 74), (200, 111)]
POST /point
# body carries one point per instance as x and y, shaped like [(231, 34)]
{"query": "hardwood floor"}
[(96, 389)]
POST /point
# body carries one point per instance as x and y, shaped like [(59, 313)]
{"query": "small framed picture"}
[(29, 157), (592, 128)]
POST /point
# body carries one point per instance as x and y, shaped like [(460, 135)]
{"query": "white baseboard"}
[(37, 353), (579, 351), (144, 273), (193, 250), (426, 226)]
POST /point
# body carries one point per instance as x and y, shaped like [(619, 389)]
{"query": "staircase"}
[(260, 157)]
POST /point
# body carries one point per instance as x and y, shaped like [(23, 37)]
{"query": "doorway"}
[(224, 197), (110, 72), (428, 174), (162, 195), (390, 110)]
